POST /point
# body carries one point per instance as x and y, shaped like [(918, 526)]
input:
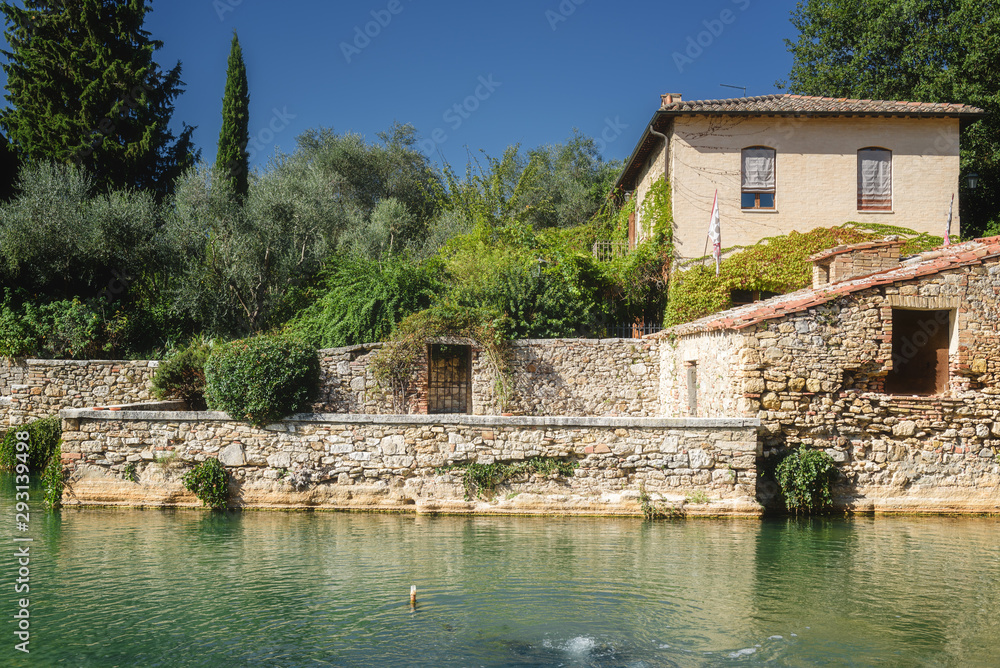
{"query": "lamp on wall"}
[(973, 180)]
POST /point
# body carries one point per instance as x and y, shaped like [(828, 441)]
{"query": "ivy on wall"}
[(775, 264)]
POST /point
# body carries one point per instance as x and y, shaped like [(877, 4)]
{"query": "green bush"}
[(263, 379), (43, 441), (209, 482), (805, 477), (183, 376)]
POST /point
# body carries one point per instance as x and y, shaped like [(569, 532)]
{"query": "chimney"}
[(670, 98), (846, 262)]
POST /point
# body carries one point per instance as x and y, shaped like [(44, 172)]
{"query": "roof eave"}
[(636, 153)]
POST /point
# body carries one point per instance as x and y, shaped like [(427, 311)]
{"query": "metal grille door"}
[(449, 379)]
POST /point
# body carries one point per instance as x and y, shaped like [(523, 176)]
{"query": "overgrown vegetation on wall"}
[(806, 477), (482, 480), (210, 483), (42, 438), (776, 264), (396, 364)]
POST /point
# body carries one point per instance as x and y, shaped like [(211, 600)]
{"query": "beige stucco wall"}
[(816, 180)]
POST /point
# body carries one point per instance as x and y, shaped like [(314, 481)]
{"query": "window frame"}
[(773, 191), (876, 208)]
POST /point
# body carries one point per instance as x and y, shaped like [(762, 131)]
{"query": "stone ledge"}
[(470, 420), (150, 364)]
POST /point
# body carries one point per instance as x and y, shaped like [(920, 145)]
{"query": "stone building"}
[(890, 365), (788, 162)]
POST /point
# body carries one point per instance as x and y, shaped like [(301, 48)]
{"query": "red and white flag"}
[(715, 233), (947, 229)]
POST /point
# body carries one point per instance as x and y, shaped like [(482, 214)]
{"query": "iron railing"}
[(632, 331), (606, 251)]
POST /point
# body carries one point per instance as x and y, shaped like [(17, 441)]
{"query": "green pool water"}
[(187, 588)]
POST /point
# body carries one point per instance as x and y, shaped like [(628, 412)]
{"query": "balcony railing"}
[(606, 251)]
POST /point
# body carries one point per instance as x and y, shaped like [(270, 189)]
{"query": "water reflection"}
[(186, 588)]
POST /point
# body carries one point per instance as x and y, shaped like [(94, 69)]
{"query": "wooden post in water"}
[(413, 596)]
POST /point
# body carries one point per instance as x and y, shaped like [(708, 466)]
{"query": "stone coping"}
[(516, 343), (152, 364), (467, 420)]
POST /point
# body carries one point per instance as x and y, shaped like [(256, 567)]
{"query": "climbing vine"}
[(54, 480), (776, 264), (639, 279), (396, 365)]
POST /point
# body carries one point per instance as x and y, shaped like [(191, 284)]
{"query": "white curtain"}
[(874, 178), (758, 170)]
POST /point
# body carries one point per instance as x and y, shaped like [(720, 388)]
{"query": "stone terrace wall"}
[(715, 355), (608, 377), (13, 375), (50, 385), (817, 378), (582, 377), (395, 462)]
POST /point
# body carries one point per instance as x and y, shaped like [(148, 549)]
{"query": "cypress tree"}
[(84, 88), (232, 160)]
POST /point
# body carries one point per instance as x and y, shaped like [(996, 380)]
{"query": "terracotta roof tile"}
[(924, 264), (787, 103)]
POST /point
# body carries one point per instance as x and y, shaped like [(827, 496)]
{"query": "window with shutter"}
[(758, 178), (874, 179)]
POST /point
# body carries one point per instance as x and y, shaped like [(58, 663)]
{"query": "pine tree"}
[(232, 160), (84, 89)]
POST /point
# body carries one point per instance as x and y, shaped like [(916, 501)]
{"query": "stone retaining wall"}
[(41, 388), (400, 462), (585, 377)]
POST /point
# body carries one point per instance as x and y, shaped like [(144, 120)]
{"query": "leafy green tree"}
[(575, 181), (232, 159), (919, 50), (84, 89), (59, 238)]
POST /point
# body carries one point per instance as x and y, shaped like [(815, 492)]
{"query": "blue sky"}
[(520, 71)]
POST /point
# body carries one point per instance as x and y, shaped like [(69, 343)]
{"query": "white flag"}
[(715, 233), (947, 230)]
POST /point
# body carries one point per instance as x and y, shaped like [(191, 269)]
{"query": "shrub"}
[(183, 376), (805, 477), (263, 379), (43, 441), (209, 482)]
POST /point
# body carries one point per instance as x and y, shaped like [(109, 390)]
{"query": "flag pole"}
[(947, 229), (715, 233)]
